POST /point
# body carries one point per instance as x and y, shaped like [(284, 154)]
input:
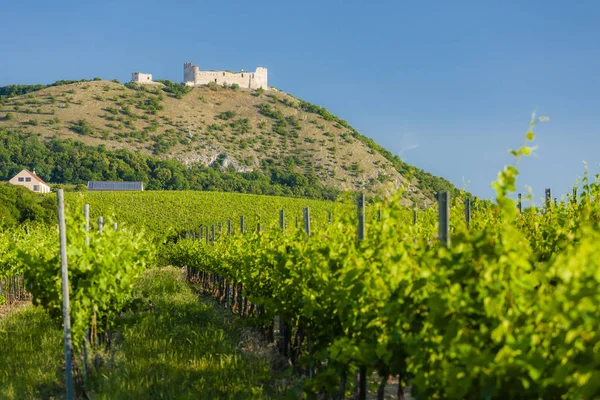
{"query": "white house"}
[(31, 181)]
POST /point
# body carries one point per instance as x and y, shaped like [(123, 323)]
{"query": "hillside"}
[(228, 127)]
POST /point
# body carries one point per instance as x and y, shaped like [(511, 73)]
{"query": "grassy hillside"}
[(228, 127)]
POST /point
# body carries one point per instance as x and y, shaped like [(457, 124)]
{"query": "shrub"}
[(213, 86), (9, 117), (258, 92), (82, 127), (235, 86), (226, 115)]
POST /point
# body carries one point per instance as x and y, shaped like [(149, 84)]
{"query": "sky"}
[(449, 86)]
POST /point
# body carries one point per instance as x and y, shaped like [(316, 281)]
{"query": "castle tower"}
[(189, 74)]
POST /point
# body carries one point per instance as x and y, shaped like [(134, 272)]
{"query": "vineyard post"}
[(443, 198), (362, 373), (574, 200), (520, 204), (219, 228), (297, 220), (86, 215), (65, 292), (548, 197), (213, 233), (468, 211), (415, 214), (241, 224), (307, 221), (329, 216), (379, 215), (281, 220), (228, 227), (361, 216), (100, 224), (206, 234)]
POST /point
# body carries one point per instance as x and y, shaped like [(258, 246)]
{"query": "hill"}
[(225, 127)]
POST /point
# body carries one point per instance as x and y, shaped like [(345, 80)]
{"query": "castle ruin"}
[(192, 76), (141, 78)]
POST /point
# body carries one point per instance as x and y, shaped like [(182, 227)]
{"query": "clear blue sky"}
[(448, 85)]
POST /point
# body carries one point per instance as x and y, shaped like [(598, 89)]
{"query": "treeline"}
[(19, 90), (72, 162)]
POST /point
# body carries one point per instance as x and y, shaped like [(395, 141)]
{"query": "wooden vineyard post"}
[(379, 215), (297, 221), (443, 198), (362, 372), (361, 216), (213, 233), (65, 293), (241, 224), (468, 211), (414, 214), (228, 227), (520, 204), (86, 216), (100, 224), (329, 216), (206, 234), (548, 197), (307, 221), (282, 220), (219, 228)]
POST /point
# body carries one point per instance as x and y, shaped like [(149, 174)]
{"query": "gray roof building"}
[(116, 186)]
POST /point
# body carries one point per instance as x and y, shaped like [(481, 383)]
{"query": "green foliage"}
[(270, 111), (175, 90), (31, 357), (82, 127), (235, 86), (191, 333), (102, 274), (508, 311), (9, 117), (258, 92), (67, 161), (19, 205), (166, 213), (19, 90), (226, 115)]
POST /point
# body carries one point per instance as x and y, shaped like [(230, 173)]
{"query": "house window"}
[(21, 179), (36, 188), (27, 179), (223, 73), (242, 75)]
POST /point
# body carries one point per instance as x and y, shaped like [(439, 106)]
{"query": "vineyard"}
[(466, 300)]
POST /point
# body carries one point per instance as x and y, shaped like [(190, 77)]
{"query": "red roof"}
[(36, 177)]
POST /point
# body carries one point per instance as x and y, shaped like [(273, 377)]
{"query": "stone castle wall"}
[(139, 77), (192, 76)]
